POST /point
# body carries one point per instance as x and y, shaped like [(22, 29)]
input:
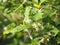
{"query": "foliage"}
[(29, 22)]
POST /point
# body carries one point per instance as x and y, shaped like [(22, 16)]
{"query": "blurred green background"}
[(29, 22)]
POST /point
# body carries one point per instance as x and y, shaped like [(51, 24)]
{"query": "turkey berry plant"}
[(29, 22)]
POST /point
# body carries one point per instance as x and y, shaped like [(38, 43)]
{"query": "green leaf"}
[(54, 31), (52, 13), (57, 20), (35, 41), (58, 40), (20, 28), (38, 16), (27, 12), (36, 1), (2, 7), (42, 1)]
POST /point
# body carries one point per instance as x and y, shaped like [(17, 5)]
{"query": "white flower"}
[(47, 39), (39, 24), (30, 36), (34, 25), (49, 33), (42, 40), (25, 0), (27, 20), (5, 28), (40, 10), (42, 27)]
